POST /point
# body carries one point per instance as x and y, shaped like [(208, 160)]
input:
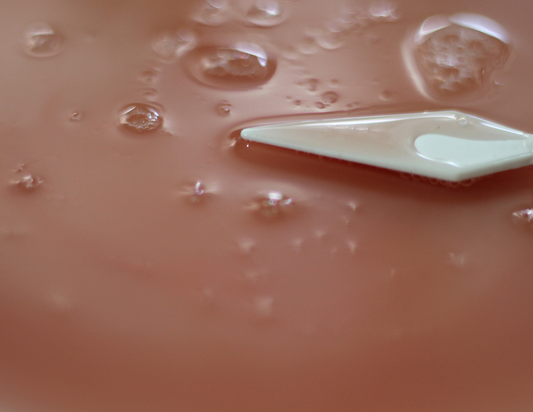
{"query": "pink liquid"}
[(180, 270)]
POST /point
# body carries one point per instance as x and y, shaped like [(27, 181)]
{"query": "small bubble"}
[(28, 182), (264, 306), (75, 117), (224, 109), (170, 45), (246, 65), (353, 205), (457, 260), (500, 80), (196, 192), (329, 97), (352, 246), (523, 217), (140, 118), (41, 40), (150, 94), (254, 276), (271, 205), (384, 11), (462, 121), (320, 105), (319, 234), (297, 103), (297, 243), (148, 77), (60, 303), (329, 40), (265, 13), (308, 46), (334, 83), (212, 12), (246, 245), (310, 84), (385, 95)]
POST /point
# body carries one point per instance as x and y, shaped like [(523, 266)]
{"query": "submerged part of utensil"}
[(446, 145)]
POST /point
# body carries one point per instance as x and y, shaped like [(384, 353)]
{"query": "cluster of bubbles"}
[(312, 85), (456, 57), (351, 18), (326, 99), (261, 13), (174, 44)]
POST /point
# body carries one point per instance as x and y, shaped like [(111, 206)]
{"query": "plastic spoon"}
[(446, 145)]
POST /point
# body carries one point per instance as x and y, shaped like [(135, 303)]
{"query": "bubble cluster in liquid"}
[(352, 18), (245, 65), (41, 40), (141, 118), (265, 13), (271, 205), (457, 56), (523, 217), (170, 45)]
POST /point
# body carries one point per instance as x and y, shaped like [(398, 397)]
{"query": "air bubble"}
[(245, 65), (28, 182), (265, 13), (224, 109), (320, 105), (457, 57), (308, 46), (141, 118), (212, 12), (148, 77), (329, 97), (385, 95), (245, 246), (310, 84), (150, 94), (169, 46), (271, 205), (264, 306), (523, 217), (41, 40), (458, 260), (75, 117), (196, 192), (462, 121), (384, 11)]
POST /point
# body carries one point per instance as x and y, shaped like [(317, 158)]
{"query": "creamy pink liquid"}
[(179, 269)]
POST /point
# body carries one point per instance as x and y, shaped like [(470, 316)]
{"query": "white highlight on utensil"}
[(446, 145)]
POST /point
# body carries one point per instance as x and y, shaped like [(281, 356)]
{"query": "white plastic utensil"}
[(446, 145)]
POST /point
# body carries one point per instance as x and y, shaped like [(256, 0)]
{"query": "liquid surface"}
[(182, 269)]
